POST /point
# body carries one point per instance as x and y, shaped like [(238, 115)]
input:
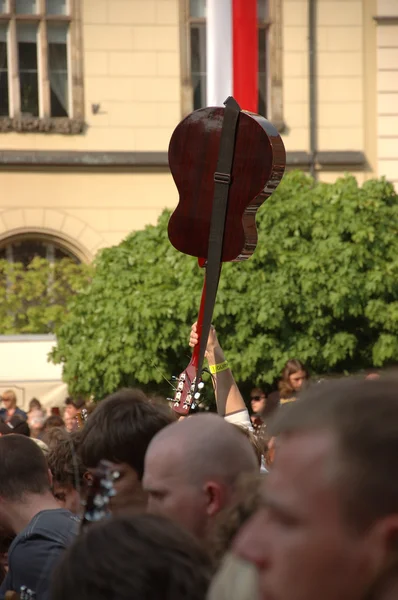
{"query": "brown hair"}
[(292, 366), (34, 404), (147, 557), (54, 435), (65, 463), (53, 421), (23, 468), (363, 415), (121, 428), (257, 444), (78, 402), (258, 392)]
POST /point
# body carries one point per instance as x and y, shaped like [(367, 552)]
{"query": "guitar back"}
[(258, 167)]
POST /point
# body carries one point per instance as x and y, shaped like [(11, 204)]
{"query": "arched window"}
[(24, 248)]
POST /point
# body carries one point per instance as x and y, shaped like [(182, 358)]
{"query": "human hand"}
[(212, 341)]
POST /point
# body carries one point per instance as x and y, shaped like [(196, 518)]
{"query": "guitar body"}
[(258, 167)]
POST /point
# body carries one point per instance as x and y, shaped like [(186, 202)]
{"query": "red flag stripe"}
[(245, 53)]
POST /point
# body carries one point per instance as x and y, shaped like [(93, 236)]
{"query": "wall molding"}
[(28, 124), (158, 160), (386, 20)]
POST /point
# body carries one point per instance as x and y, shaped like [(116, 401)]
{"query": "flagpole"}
[(219, 61)]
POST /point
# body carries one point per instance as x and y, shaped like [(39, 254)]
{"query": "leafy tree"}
[(321, 286), (34, 299)]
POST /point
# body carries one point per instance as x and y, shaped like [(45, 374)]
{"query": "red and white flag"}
[(232, 52)]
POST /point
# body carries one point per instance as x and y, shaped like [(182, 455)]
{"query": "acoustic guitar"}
[(258, 166)]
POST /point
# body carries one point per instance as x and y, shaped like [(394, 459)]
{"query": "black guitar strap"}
[(222, 182)]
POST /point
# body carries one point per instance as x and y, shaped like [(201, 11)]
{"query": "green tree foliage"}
[(34, 299), (321, 286)]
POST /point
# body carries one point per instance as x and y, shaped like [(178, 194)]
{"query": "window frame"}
[(49, 246), (16, 121), (47, 238), (274, 58)]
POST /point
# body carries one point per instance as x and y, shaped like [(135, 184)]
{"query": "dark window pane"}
[(28, 72), (56, 7), (198, 65), (59, 254), (28, 249), (25, 7), (4, 106), (262, 72), (58, 69), (25, 252), (197, 8), (3, 6), (262, 50), (262, 10)]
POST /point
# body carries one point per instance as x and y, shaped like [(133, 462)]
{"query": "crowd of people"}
[(289, 497)]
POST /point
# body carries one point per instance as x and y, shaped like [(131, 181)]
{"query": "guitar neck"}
[(195, 354)]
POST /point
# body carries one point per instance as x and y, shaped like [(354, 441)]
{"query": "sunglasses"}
[(256, 397)]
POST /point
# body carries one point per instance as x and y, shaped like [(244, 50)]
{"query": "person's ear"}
[(88, 477), (50, 478), (215, 497), (383, 543)]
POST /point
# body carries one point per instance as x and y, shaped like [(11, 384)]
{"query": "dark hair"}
[(363, 415), (15, 425), (292, 366), (53, 436), (121, 428), (23, 468), (146, 557), (258, 391), (78, 402), (53, 421), (65, 463), (34, 404)]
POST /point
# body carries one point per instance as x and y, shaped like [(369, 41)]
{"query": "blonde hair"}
[(9, 395)]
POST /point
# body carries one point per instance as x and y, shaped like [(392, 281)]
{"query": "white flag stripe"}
[(219, 51)]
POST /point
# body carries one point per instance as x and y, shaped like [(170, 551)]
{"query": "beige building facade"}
[(91, 90)]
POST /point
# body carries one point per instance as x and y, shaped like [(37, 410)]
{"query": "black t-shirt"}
[(274, 400), (36, 550)]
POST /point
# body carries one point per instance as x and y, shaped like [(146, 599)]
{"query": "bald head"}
[(191, 467), (205, 446)]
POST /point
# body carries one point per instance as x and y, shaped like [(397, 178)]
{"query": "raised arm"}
[(228, 397)]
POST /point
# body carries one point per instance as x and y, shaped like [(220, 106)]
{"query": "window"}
[(4, 103), (197, 52), (38, 78), (28, 71), (58, 69), (25, 249)]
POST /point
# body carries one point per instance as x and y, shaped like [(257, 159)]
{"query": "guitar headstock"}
[(24, 594), (100, 491), (185, 398), (81, 418)]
